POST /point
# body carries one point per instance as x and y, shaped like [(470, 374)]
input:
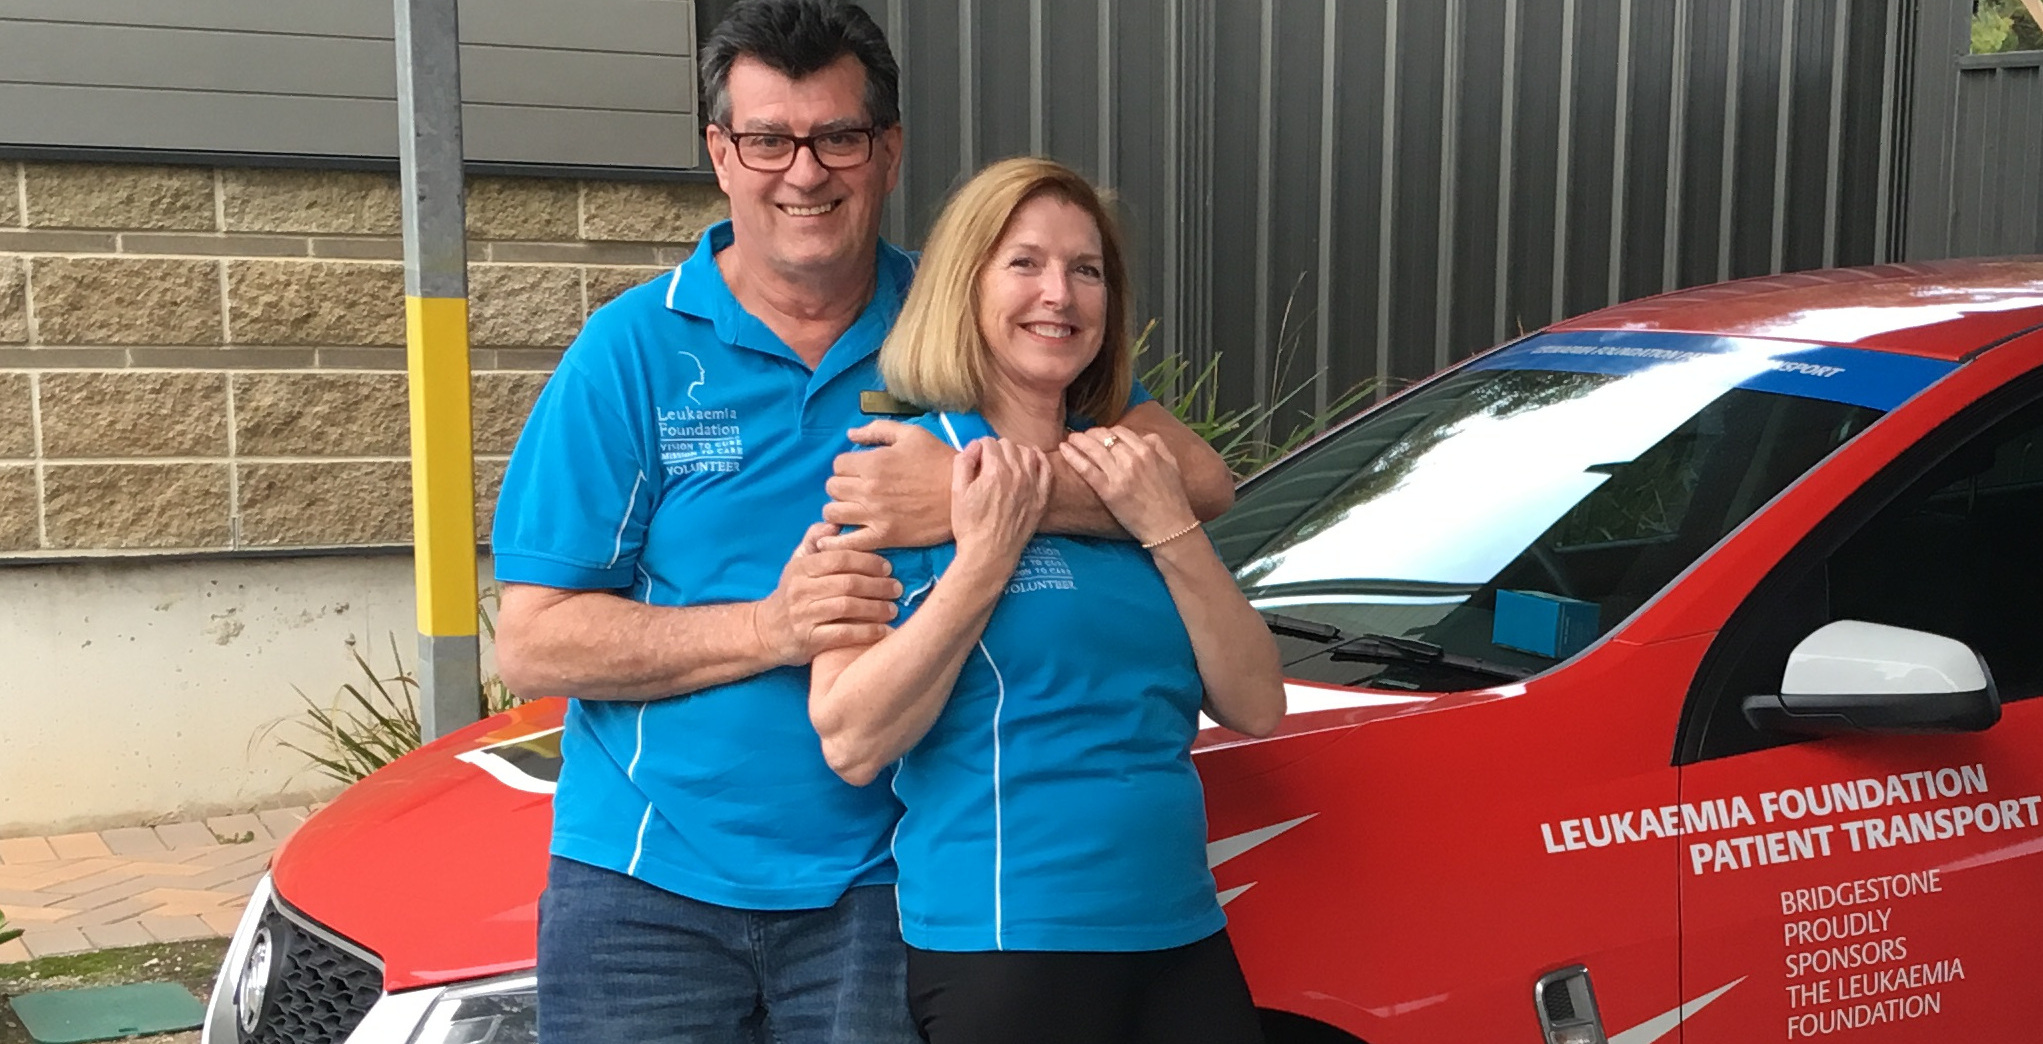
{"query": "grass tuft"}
[(1248, 438), (377, 721)]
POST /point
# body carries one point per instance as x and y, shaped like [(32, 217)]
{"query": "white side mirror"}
[(1851, 676), (1852, 657)]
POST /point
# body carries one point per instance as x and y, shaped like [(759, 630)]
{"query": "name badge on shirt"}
[(881, 404)]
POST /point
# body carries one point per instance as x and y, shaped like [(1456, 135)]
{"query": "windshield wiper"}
[(1385, 648), (1293, 627)]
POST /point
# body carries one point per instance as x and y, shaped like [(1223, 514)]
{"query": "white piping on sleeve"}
[(956, 443), (630, 509)]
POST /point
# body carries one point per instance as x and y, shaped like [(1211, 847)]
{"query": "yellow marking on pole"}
[(442, 465)]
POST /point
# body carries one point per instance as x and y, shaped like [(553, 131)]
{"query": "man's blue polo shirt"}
[(676, 457)]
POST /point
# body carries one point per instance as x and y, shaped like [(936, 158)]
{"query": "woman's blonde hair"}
[(936, 356)]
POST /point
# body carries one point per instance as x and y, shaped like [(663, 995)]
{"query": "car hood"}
[(435, 863)]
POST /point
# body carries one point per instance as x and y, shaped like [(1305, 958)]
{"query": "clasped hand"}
[(998, 492), (825, 600), (892, 493), (1135, 476)]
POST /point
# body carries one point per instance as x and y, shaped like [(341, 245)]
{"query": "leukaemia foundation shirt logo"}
[(694, 438)]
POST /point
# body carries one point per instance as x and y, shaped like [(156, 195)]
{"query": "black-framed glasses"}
[(770, 153)]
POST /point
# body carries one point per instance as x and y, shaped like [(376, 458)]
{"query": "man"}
[(657, 538)]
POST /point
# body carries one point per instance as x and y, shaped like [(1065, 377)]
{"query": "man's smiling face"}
[(806, 217)]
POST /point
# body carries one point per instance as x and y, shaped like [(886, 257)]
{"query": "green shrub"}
[(1999, 26), (377, 721), (1248, 438), (7, 934)]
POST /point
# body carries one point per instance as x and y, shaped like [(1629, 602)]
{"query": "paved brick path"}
[(135, 885)]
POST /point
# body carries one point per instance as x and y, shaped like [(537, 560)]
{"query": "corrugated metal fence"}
[(1976, 159), (595, 83), (1997, 170), (1373, 188)]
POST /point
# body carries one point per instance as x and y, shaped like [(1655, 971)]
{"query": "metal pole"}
[(1323, 296), (1386, 212), (1620, 154), (436, 333), (1783, 124), (1727, 177), (1564, 160), (1450, 183), (1266, 176), (1507, 143), (1677, 152)]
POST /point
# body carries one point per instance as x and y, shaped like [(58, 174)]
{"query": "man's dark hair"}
[(799, 38)]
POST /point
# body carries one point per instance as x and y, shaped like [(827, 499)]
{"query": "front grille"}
[(319, 992)]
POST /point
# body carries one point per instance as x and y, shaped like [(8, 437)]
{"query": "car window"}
[(1958, 552), (1555, 481)]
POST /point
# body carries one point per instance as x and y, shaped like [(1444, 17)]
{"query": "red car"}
[(1664, 675)]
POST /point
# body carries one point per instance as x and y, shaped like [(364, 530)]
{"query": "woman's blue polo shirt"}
[(1053, 805), (676, 457)]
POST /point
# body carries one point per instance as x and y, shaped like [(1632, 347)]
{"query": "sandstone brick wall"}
[(212, 359)]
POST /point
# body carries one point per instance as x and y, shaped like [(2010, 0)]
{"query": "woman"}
[(1041, 693)]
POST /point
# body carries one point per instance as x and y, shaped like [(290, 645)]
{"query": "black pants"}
[(1188, 995)]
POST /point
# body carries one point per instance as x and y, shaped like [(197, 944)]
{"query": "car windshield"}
[(1498, 520)]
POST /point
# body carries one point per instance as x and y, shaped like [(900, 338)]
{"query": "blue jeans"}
[(621, 960)]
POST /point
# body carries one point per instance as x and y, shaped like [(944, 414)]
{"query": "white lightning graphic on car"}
[(1647, 1032), (1662, 1024), (1218, 852)]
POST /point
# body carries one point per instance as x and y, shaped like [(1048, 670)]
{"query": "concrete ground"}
[(133, 886)]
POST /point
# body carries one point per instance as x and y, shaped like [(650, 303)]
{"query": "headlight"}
[(499, 1011), (258, 975)]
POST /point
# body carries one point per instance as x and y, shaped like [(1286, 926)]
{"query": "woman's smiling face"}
[(1043, 297)]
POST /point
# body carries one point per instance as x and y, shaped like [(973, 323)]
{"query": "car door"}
[(1881, 888)]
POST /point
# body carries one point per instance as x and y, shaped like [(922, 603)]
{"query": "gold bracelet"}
[(1152, 545)]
